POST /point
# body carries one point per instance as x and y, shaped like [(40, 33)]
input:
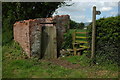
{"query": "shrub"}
[(107, 35), (67, 40)]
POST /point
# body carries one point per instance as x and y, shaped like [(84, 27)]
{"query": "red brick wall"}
[(21, 35)]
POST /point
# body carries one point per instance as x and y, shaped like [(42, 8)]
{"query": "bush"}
[(7, 31), (67, 44), (107, 35)]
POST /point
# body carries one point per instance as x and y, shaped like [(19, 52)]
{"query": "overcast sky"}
[(82, 11)]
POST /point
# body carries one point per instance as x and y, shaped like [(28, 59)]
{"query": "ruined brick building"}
[(41, 37)]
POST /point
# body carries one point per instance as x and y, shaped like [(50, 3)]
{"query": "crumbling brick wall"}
[(62, 24), (21, 35), (28, 32), (35, 37)]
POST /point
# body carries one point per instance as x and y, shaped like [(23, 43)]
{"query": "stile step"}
[(81, 41), (81, 37)]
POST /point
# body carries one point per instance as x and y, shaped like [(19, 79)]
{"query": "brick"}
[(28, 33)]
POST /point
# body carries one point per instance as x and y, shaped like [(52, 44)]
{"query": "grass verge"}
[(17, 65)]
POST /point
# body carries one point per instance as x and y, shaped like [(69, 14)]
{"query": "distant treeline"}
[(75, 25)]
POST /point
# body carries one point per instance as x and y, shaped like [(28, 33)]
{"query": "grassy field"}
[(17, 65), (79, 30)]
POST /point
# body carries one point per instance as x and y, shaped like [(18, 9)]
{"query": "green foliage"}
[(12, 49), (0, 37), (67, 44), (82, 60), (73, 24), (107, 39), (16, 65), (81, 25), (17, 11), (98, 70)]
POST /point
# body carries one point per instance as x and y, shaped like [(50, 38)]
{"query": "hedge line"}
[(107, 39)]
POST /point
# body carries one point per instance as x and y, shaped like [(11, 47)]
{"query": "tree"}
[(16, 11), (73, 24), (81, 25)]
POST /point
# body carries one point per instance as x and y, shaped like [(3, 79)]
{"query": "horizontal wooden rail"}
[(81, 41), (80, 37), (84, 46), (75, 43), (70, 50)]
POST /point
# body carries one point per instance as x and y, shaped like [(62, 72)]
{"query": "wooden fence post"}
[(94, 30)]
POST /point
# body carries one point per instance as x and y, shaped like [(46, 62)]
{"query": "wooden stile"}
[(80, 37), (79, 42)]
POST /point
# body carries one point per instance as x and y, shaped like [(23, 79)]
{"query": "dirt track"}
[(63, 63)]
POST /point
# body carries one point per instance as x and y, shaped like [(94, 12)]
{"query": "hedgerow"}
[(107, 39)]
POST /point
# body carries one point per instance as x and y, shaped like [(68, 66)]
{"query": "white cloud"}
[(113, 13), (105, 8), (82, 11), (88, 20), (78, 18), (82, 17)]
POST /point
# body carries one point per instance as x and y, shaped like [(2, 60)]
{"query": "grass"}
[(30, 69), (16, 65), (83, 60), (78, 30), (94, 71), (0, 62)]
